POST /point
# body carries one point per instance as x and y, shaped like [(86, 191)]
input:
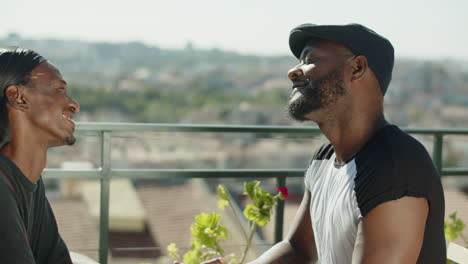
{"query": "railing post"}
[(279, 217), (105, 193), (437, 152)]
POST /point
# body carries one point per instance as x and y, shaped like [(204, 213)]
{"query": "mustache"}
[(301, 82)]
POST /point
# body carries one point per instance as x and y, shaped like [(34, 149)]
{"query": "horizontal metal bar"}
[(205, 173), (122, 127), (138, 127), (454, 171), (439, 131), (66, 174), (174, 173), (194, 173), (184, 247)]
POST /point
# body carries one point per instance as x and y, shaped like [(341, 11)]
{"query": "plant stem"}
[(249, 242), (238, 221)]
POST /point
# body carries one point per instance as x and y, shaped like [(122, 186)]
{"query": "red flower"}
[(284, 193)]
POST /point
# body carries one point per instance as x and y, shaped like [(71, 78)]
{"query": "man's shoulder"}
[(392, 165), (393, 148)]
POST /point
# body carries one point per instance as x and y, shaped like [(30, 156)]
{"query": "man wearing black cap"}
[(372, 194), (36, 113)]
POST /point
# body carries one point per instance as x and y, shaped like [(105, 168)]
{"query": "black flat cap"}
[(358, 38)]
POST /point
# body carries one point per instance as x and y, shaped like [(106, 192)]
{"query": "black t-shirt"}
[(28, 230), (390, 166)]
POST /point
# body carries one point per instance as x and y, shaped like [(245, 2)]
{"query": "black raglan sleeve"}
[(391, 169)]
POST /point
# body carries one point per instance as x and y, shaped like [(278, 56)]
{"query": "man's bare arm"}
[(299, 245), (394, 231)]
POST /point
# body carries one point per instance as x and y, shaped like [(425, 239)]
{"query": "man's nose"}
[(295, 72), (74, 105)]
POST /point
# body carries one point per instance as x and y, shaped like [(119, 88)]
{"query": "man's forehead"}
[(47, 72)]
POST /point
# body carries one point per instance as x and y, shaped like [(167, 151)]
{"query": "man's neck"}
[(349, 135), (29, 156)]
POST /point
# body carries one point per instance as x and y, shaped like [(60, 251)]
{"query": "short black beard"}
[(318, 94)]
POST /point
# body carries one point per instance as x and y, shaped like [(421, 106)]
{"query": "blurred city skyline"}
[(418, 29)]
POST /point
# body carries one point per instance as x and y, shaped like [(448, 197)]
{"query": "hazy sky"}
[(423, 29)]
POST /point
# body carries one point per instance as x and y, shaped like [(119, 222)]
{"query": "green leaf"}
[(222, 232), (172, 250), (223, 197), (265, 198), (222, 204), (222, 193), (453, 227), (209, 232), (196, 244), (206, 231), (250, 189), (192, 257), (260, 216), (453, 216)]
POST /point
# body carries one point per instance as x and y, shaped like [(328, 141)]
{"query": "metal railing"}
[(106, 172)]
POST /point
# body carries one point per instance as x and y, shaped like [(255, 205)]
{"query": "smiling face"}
[(318, 79), (50, 109)]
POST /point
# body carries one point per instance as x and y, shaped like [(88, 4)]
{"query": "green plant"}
[(208, 233), (453, 228)]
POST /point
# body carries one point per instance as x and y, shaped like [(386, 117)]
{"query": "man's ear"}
[(16, 98), (359, 67)]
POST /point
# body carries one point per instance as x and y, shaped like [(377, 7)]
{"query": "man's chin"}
[(70, 141), (297, 117), (298, 111)]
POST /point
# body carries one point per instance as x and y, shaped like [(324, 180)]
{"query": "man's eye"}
[(310, 61)]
